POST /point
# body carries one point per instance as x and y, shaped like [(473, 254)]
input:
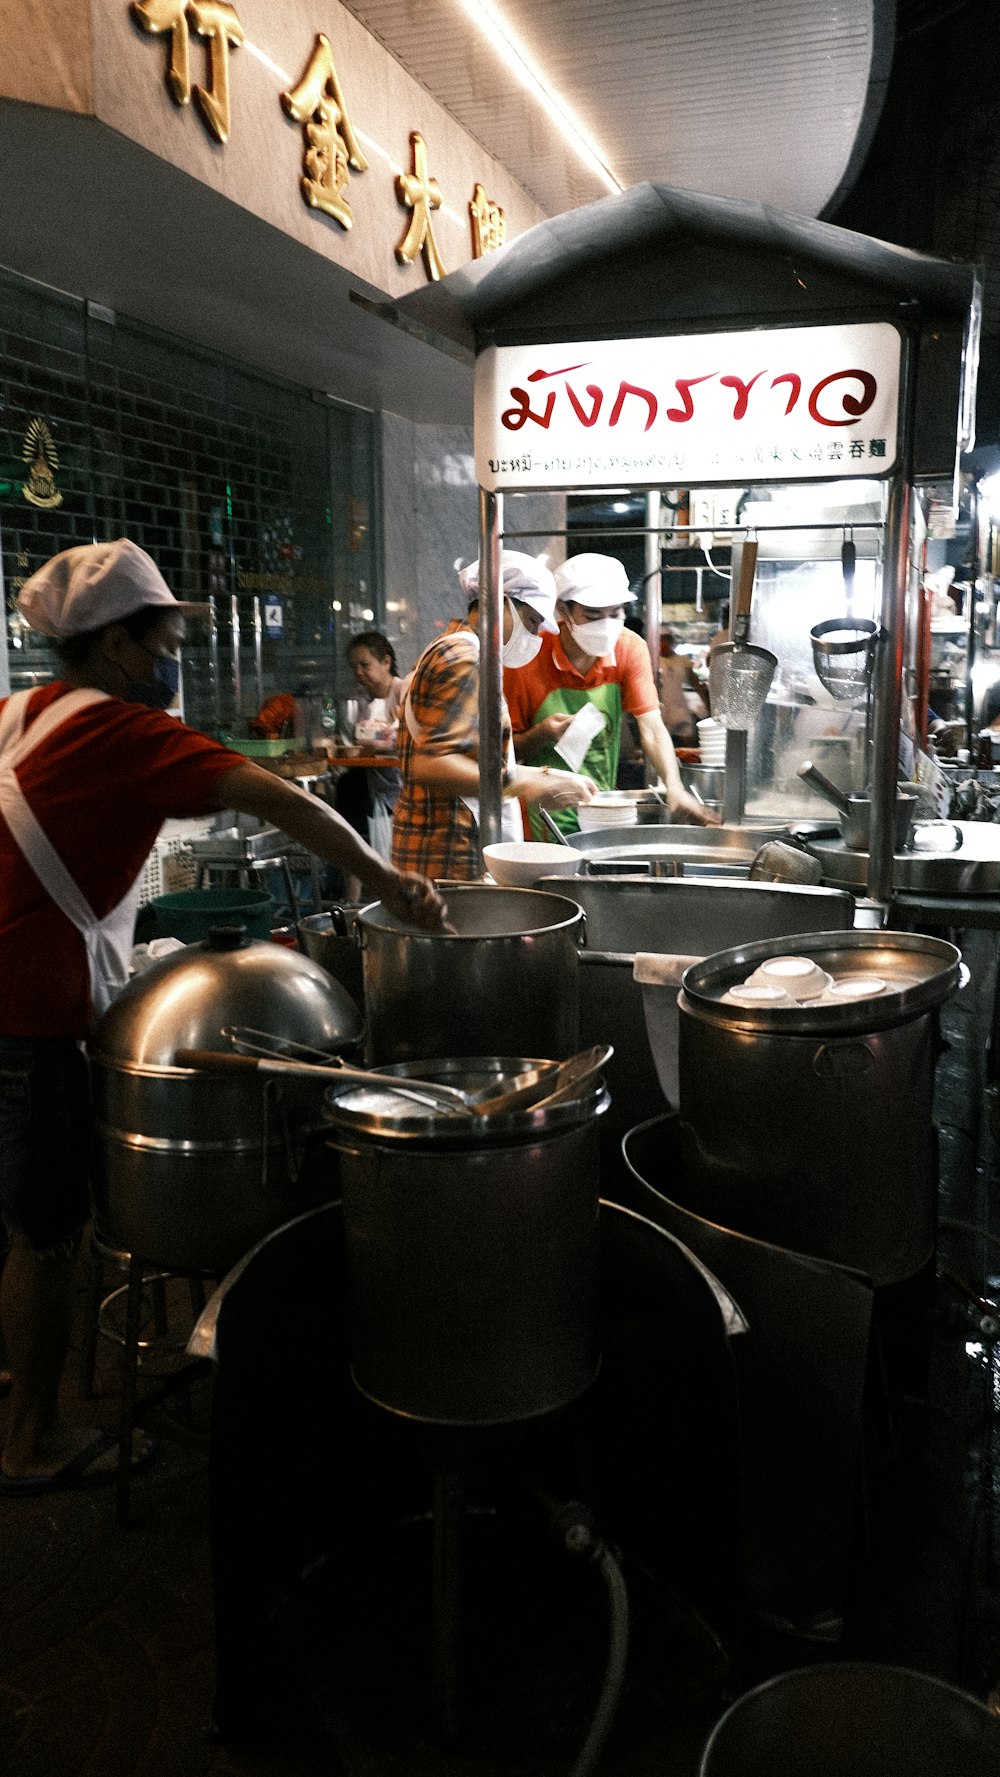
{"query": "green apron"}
[(601, 758)]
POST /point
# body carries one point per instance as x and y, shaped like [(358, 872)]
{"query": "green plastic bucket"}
[(191, 913)]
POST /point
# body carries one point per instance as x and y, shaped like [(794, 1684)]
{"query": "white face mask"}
[(522, 645), (599, 637)]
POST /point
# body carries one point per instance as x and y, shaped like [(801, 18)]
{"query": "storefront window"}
[(256, 500)]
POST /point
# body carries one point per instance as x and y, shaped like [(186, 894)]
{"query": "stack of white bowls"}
[(711, 742), (609, 811)]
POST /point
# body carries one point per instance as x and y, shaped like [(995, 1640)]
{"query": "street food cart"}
[(664, 338)]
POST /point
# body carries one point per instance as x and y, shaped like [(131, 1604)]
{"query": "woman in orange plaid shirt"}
[(435, 827)]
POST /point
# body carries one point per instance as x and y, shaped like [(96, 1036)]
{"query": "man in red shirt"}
[(594, 660), (90, 767)]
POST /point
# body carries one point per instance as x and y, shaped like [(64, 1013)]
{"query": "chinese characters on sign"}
[(784, 404), (215, 20), (331, 148), (489, 224), (418, 192), (331, 145)]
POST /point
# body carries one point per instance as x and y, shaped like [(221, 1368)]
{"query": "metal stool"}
[(140, 1276)]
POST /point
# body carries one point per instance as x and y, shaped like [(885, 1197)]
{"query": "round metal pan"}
[(974, 869), (920, 973)]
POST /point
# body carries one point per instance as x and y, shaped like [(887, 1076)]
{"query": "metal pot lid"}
[(971, 869), (918, 974), (384, 1115), (482, 910), (190, 998)]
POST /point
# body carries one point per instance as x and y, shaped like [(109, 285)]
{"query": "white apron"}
[(108, 941), (511, 824)]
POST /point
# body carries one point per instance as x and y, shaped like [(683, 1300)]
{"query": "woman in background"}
[(367, 796)]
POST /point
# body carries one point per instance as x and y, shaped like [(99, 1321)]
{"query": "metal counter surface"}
[(974, 869)]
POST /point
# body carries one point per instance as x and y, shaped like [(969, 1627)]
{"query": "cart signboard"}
[(774, 404)]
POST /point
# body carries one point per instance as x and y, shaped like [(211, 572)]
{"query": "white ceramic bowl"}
[(799, 976), (519, 863), (853, 987), (760, 994)]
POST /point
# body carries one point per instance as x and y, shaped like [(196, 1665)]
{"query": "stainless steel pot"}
[(811, 1127), (472, 1251), (192, 1169), (331, 940), (504, 982), (855, 822)]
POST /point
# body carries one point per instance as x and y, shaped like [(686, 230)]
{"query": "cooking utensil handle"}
[(555, 830), (425, 1091), (744, 588), (215, 1061), (811, 774)]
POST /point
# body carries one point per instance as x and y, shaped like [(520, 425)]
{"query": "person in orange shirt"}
[(593, 660)]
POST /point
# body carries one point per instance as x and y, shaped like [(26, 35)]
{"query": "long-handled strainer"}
[(740, 674), (844, 655)]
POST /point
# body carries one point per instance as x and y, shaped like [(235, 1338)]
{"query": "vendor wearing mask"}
[(90, 767), (593, 661), (436, 823)]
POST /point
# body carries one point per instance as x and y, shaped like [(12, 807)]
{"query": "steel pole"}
[(888, 675), (491, 760), (653, 585)]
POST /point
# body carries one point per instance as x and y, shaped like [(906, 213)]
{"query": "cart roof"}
[(655, 259)]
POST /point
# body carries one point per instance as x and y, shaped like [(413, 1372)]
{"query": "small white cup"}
[(798, 976)]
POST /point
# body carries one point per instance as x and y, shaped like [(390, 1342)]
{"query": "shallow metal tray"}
[(674, 850), (974, 869), (233, 846)]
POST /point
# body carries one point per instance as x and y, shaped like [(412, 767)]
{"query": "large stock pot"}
[(504, 982), (811, 1127), (472, 1245), (190, 1168)]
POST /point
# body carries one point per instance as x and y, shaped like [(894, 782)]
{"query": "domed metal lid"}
[(189, 999), (916, 973)]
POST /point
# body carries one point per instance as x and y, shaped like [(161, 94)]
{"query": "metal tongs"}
[(260, 1051), (263, 1053)]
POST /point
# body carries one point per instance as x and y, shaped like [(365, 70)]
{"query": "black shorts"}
[(45, 1137)]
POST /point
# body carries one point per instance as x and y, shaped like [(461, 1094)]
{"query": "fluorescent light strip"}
[(266, 62), (498, 33)]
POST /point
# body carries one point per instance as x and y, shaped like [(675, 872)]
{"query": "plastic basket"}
[(262, 749), (191, 914), (170, 866)]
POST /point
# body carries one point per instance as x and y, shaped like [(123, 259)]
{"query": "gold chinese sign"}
[(331, 151), (217, 22), (331, 147)]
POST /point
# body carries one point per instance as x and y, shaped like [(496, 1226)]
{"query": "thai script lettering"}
[(839, 399)]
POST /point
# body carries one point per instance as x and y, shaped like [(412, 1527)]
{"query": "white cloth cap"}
[(525, 579), (595, 580), (83, 589)]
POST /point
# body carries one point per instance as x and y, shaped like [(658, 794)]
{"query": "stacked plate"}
[(607, 811), (711, 742)]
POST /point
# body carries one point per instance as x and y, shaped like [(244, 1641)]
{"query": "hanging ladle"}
[(740, 674)]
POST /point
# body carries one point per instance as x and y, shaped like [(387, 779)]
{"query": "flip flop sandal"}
[(74, 1474)]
